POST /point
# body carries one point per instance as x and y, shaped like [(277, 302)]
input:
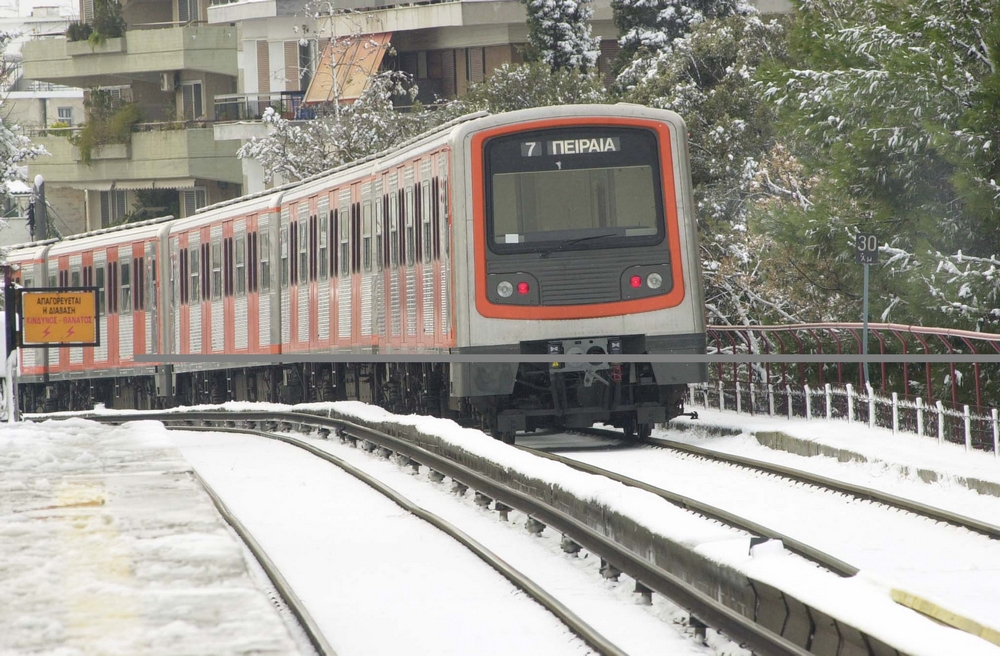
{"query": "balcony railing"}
[(251, 106)]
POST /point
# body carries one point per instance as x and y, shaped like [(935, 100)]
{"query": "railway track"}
[(705, 609), (573, 622), (281, 586), (765, 626)]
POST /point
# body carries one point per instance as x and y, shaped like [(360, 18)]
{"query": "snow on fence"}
[(865, 406)]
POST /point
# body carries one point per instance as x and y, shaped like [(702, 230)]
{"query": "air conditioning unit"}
[(168, 81)]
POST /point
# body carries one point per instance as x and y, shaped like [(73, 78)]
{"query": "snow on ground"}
[(376, 579), (857, 599), (109, 546)]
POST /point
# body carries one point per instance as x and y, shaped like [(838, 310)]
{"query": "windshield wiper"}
[(573, 242)]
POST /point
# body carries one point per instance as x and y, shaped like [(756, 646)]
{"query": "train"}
[(548, 231)]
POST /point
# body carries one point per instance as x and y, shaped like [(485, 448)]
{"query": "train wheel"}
[(644, 431), (507, 437)]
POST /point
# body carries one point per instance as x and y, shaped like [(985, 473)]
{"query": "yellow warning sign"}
[(59, 317)]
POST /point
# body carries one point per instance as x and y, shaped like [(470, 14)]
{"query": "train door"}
[(444, 258), (150, 297), (314, 280), (112, 300), (392, 274), (228, 325), (58, 357), (304, 281), (355, 271), (213, 321), (133, 281), (72, 358), (408, 260), (101, 353), (325, 310), (425, 256), (378, 265), (87, 265), (366, 289), (296, 311), (244, 299), (345, 305)]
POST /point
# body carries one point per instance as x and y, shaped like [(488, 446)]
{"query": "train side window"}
[(150, 286), (195, 274), (241, 268), (345, 241), (206, 272), (265, 262), (139, 266), (394, 230), (74, 278), (366, 236), (426, 215), (283, 247), (355, 237), (113, 288), (126, 288), (324, 226), (378, 230), (183, 276), (410, 227), (227, 266), (101, 291), (303, 252), (254, 263), (313, 248), (445, 219), (436, 216)]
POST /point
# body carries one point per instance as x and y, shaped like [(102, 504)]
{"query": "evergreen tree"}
[(652, 25), (559, 34), (894, 108), (521, 86)]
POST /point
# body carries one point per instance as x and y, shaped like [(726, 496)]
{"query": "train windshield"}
[(571, 189)]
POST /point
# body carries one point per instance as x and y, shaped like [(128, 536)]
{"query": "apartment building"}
[(150, 149)]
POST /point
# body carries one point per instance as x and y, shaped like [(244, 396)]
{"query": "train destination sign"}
[(64, 316), (583, 146)]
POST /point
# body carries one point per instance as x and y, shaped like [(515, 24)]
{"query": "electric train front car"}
[(580, 239)]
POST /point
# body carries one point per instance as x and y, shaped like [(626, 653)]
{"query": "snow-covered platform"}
[(108, 545)]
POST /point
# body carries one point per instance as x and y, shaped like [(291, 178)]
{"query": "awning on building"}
[(346, 66), (179, 183)]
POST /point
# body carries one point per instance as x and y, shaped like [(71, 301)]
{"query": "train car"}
[(561, 230)]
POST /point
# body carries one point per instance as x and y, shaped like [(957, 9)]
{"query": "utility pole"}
[(41, 232)]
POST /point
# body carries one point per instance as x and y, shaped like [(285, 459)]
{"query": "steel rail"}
[(707, 609), (573, 621), (712, 512), (306, 621), (858, 491)]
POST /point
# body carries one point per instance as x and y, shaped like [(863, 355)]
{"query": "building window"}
[(193, 103), (65, 115), (113, 207), (192, 200)]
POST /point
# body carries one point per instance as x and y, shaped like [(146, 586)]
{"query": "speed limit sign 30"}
[(866, 249)]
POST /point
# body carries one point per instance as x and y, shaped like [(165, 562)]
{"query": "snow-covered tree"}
[(295, 150), (895, 107), (651, 25), (707, 76), (15, 149), (520, 86), (559, 34)]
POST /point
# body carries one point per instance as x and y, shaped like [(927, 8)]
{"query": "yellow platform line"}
[(945, 616)]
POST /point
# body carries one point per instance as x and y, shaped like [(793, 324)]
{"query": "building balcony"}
[(157, 157), (139, 55)]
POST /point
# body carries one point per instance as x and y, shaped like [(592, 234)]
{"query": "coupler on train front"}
[(563, 394)]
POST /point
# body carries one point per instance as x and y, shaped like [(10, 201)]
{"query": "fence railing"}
[(251, 106), (976, 383), (975, 428)]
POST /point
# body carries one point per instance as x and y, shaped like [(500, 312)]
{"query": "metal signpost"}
[(866, 254)]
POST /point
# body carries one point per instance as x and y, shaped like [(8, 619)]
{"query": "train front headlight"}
[(654, 280), (505, 289)]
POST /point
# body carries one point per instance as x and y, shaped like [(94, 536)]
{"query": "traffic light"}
[(31, 219)]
